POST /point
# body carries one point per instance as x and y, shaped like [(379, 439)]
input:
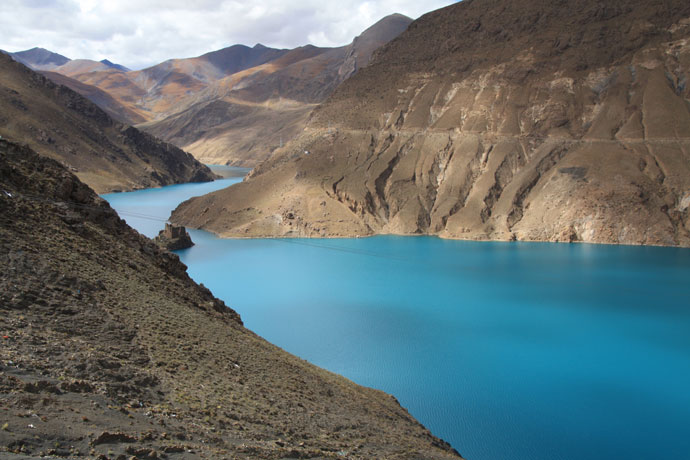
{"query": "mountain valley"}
[(61, 124), (231, 106), (487, 120)]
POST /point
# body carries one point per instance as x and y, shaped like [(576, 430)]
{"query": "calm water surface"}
[(514, 351)]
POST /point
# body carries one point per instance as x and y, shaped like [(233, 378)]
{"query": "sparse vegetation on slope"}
[(110, 349)]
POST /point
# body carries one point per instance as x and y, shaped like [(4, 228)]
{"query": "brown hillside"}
[(110, 350), (99, 97), (157, 91), (61, 124), (121, 87), (79, 66), (491, 119), (242, 118), (232, 132)]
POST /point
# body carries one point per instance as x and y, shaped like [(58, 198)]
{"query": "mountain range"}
[(488, 119), (231, 106), (242, 118), (42, 59)]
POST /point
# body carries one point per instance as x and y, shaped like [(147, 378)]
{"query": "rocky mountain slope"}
[(491, 119), (61, 124), (99, 97), (109, 349), (155, 92), (80, 66), (242, 118)]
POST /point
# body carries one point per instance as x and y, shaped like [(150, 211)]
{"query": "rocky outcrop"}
[(491, 119), (109, 349), (61, 124), (173, 238)]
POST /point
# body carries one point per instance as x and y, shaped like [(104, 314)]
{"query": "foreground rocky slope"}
[(109, 349), (490, 119), (106, 154)]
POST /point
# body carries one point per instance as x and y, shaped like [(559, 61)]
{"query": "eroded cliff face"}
[(562, 121)]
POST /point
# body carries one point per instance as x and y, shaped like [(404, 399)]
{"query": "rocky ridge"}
[(40, 59), (61, 124), (111, 351), (155, 92), (489, 119)]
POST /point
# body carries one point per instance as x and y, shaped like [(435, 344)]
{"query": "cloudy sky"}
[(139, 33)]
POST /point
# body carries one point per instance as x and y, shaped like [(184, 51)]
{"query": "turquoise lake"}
[(509, 351)]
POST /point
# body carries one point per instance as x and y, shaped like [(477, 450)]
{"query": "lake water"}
[(509, 351)]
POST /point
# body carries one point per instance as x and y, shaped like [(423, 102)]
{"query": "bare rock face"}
[(489, 119), (173, 237)]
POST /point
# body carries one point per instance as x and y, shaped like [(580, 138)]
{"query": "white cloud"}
[(138, 33)]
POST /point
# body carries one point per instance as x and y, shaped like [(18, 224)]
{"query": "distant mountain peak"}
[(112, 65), (395, 20), (397, 16), (239, 57), (364, 45), (40, 58), (37, 49)]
